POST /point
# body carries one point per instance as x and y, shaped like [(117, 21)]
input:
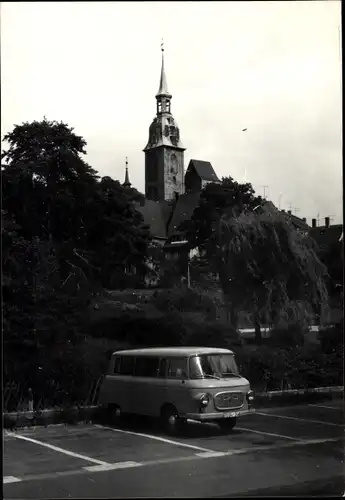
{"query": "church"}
[(171, 194)]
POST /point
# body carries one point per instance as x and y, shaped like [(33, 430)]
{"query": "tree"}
[(64, 232), (118, 235), (217, 199), (46, 172), (41, 313), (202, 230), (93, 224), (269, 267)]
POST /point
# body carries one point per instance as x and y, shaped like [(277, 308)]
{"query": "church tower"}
[(164, 152)]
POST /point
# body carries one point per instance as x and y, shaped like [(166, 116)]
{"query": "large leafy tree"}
[(202, 230), (270, 268), (42, 313), (93, 224), (46, 172), (118, 234), (64, 232), (229, 197)]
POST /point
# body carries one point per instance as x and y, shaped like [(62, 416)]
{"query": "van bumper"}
[(204, 417)]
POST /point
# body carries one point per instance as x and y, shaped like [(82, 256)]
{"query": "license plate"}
[(229, 414)]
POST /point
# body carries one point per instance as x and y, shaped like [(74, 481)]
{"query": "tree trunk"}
[(233, 317), (257, 327)]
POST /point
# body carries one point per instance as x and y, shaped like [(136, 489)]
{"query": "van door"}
[(176, 384), (124, 384), (147, 386)]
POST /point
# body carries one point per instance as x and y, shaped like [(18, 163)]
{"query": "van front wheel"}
[(171, 421)]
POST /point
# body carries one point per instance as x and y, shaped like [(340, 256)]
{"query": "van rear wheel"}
[(115, 414), (171, 421), (227, 424)]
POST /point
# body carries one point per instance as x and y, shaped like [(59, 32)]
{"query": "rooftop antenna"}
[(318, 218), (279, 200), (293, 209), (264, 191)]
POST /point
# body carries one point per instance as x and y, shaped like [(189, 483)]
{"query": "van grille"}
[(228, 400)]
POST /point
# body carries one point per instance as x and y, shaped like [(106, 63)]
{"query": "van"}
[(177, 384)]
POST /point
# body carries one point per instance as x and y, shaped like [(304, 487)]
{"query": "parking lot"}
[(266, 452)]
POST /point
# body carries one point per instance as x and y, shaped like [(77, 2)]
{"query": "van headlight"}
[(204, 400), (250, 396)]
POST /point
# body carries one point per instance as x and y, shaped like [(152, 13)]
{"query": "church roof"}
[(156, 216), (184, 208), (163, 86), (165, 217), (164, 131), (204, 170)]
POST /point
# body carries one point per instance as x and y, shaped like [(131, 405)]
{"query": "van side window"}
[(146, 367), (162, 368), (127, 365), (117, 364), (177, 368)]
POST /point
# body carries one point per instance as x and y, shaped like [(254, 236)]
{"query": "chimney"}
[(313, 223), (304, 219), (327, 221), (289, 212), (283, 210)]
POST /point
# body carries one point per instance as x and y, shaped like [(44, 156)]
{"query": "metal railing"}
[(18, 397)]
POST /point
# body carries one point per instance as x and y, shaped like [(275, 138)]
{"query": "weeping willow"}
[(269, 268)]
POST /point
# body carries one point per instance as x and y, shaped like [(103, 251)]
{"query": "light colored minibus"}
[(176, 384)]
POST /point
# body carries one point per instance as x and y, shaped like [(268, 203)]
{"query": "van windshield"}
[(215, 366)]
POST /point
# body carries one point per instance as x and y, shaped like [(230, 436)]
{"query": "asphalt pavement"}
[(286, 451)]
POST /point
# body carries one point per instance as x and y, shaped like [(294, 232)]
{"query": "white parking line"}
[(157, 438), (163, 461), (267, 433), (328, 407), (118, 465), (58, 449), (299, 419), (11, 479), (211, 454)]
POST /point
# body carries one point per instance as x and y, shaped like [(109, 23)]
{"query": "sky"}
[(273, 68)]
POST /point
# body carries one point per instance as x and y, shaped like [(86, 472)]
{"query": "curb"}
[(295, 396), (74, 415)]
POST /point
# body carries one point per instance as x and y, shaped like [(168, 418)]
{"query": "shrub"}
[(332, 338), (212, 334), (269, 368), (289, 336), (184, 299)]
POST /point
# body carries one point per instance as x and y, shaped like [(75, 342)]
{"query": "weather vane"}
[(162, 45)]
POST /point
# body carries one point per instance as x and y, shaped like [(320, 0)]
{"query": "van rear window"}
[(127, 365), (146, 367), (117, 365)]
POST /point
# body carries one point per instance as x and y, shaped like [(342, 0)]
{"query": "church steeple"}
[(164, 151), (127, 183), (163, 97)]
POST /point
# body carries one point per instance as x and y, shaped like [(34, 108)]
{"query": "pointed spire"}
[(127, 183), (163, 87)]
